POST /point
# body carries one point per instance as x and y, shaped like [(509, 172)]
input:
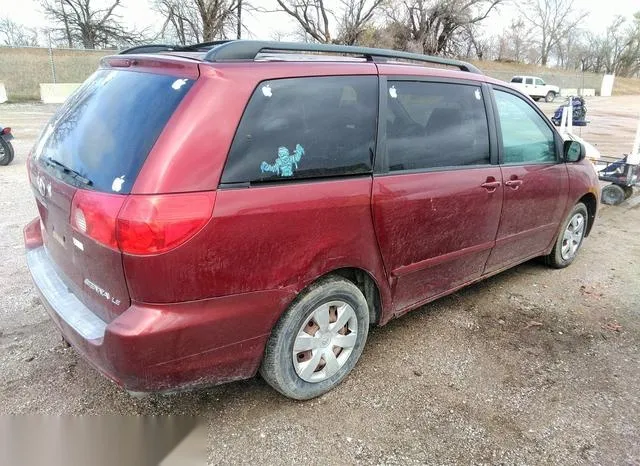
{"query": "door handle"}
[(491, 186), (513, 184)]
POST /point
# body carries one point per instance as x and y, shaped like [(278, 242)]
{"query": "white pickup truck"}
[(535, 87)]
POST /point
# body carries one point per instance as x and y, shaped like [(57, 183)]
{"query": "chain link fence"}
[(22, 69)]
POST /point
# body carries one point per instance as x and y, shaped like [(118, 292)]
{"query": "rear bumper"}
[(163, 347)]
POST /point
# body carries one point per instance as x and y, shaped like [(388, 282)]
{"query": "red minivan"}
[(209, 211)]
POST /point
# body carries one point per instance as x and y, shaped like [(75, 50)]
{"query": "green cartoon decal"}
[(285, 163)]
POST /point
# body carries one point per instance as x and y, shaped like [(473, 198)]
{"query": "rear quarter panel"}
[(263, 238)]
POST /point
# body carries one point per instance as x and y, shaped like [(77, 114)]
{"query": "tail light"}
[(153, 224), (141, 224), (95, 214)]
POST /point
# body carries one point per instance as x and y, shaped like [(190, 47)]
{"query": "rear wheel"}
[(612, 194), (570, 238), (318, 340), (6, 152), (628, 192), (550, 97)]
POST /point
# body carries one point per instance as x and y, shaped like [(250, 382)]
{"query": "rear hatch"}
[(83, 168)]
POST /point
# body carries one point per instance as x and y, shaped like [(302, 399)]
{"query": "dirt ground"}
[(533, 366)]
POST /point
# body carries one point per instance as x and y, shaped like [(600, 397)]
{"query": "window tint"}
[(435, 125), (106, 129), (516, 80), (529, 81), (539, 82), (305, 128), (525, 135)]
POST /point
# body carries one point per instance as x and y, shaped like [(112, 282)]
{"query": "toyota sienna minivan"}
[(211, 211)]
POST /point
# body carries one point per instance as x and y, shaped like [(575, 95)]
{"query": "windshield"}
[(105, 130)]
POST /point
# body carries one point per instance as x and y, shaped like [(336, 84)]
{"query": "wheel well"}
[(590, 201), (369, 289)]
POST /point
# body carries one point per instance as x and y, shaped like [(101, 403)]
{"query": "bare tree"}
[(193, 21), (13, 34), (629, 58), (318, 22), (514, 44), (356, 16), (312, 15), (553, 21), (89, 23), (440, 27)]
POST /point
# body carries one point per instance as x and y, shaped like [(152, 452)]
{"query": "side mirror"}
[(574, 151)]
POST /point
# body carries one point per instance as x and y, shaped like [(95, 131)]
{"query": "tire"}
[(307, 377), (612, 194), (628, 192), (536, 99), (550, 97), (6, 152), (570, 238)]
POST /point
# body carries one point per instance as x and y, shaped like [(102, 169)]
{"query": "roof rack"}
[(248, 50), (238, 50)]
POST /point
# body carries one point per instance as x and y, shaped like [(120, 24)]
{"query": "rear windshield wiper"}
[(69, 171)]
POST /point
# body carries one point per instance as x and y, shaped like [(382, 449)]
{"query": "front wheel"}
[(318, 340), (570, 238), (6, 152), (550, 97)]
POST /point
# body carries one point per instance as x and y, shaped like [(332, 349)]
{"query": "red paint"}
[(201, 311), (435, 229), (531, 212)]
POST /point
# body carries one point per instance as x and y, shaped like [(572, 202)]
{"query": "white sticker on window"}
[(266, 91), (116, 186), (178, 83), (393, 93), (478, 94)]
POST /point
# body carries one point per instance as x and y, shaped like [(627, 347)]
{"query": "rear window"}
[(106, 129), (516, 80), (305, 128)]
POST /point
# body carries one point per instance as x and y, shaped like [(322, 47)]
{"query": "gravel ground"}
[(532, 366)]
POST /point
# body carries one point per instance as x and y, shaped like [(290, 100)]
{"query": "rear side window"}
[(516, 80), (431, 125), (305, 128), (106, 129), (529, 81)]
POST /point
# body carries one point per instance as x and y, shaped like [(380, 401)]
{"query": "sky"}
[(137, 13)]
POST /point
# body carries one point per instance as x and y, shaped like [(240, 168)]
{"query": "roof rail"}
[(248, 50)]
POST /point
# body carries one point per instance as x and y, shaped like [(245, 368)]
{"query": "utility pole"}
[(239, 19)]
